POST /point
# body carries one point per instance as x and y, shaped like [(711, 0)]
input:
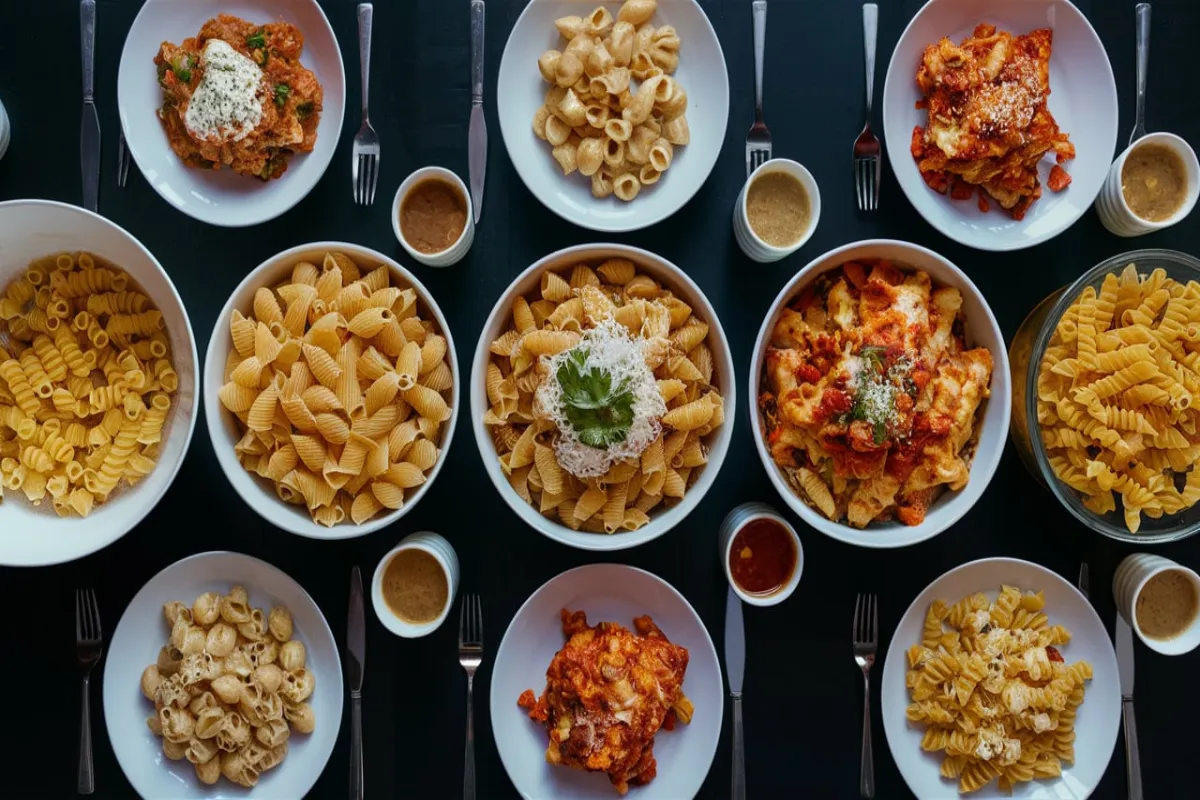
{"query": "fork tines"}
[(366, 176), (470, 622), (756, 156), (866, 183), (866, 620), (87, 618)]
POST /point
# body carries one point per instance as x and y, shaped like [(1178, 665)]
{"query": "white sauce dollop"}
[(227, 104)]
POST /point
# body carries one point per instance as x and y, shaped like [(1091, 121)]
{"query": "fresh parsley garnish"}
[(282, 90), (257, 40), (599, 412)]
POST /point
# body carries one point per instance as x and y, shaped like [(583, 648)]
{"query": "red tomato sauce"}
[(762, 557)]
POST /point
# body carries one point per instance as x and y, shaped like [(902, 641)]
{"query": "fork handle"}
[(356, 754), (366, 13), (1142, 17), (870, 33), (469, 755), (866, 779), (759, 10), (738, 789), (87, 778)]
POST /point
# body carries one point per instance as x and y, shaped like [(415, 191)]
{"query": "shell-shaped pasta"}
[(291, 655), (323, 366), (675, 130), (206, 608), (549, 342), (301, 717), (370, 321), (279, 623), (404, 475), (428, 403), (636, 12), (554, 288), (266, 306), (423, 455), (151, 680), (439, 379), (389, 495), (178, 724)]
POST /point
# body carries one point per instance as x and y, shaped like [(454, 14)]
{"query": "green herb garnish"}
[(257, 40), (282, 90), (184, 75), (304, 111), (600, 413)]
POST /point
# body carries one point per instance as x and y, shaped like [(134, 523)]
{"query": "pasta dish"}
[(602, 397), (237, 96), (608, 692), (989, 125), (993, 692), (869, 394)]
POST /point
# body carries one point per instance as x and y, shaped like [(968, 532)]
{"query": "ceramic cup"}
[(747, 239), (1130, 578), (444, 554), (454, 253), (737, 519), (1115, 213)]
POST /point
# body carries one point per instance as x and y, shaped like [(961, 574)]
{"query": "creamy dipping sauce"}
[(432, 215), (778, 209), (227, 104), (1154, 182), (1167, 605), (415, 587)]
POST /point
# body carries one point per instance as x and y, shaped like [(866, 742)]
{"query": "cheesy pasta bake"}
[(86, 380), (229, 688), (869, 394), (339, 382), (993, 692), (608, 692), (602, 394)]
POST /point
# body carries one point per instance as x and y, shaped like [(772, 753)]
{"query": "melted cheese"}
[(227, 104)]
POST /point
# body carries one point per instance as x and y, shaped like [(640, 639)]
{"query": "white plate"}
[(223, 197), (614, 593), (31, 229), (135, 645), (521, 91), (1099, 716), (1083, 100)]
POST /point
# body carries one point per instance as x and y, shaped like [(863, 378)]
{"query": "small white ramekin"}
[(747, 239), (737, 519), (1131, 577), (444, 554), (454, 253), (1115, 213)]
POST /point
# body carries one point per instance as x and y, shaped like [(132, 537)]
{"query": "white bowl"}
[(442, 552), (981, 330), (684, 287), (740, 517), (1131, 577), (1099, 716), (1083, 100), (223, 197), (749, 241), (454, 253), (701, 72), (223, 429), (1114, 211), (30, 229), (135, 645)]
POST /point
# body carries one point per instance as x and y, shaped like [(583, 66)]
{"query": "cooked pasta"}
[(341, 404), (78, 343)]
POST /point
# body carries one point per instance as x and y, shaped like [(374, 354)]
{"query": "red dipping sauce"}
[(762, 557)]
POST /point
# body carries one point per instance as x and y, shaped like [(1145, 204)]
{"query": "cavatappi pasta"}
[(620, 135), (229, 688), (341, 387), (602, 395), (86, 380), (993, 692), (1115, 396)]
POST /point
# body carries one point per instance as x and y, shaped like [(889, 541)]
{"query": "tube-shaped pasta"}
[(620, 42), (589, 157), (661, 154), (566, 156), (597, 115), (614, 154), (643, 101), (598, 62), (637, 11), (557, 131), (675, 130), (618, 130), (570, 109), (626, 186), (602, 185)]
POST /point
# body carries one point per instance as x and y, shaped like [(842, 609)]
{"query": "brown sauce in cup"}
[(415, 586), (1167, 605), (778, 209), (1154, 182), (432, 215)]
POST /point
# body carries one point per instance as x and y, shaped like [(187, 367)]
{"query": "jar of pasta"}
[(1106, 396)]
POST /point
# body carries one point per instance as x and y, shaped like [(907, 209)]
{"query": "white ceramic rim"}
[(814, 204), (387, 617), (135, 519), (788, 588), (981, 471), (447, 256), (1191, 166), (1164, 646), (301, 524)]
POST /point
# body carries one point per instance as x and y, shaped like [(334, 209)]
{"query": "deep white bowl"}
[(31, 229), (981, 330), (259, 493), (675, 279)]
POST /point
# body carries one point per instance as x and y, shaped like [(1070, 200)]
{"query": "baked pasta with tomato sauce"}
[(869, 394)]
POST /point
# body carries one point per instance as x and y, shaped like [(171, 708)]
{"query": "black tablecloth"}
[(803, 695)]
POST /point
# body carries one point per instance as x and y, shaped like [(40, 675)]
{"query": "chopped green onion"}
[(282, 90), (257, 40), (304, 110)]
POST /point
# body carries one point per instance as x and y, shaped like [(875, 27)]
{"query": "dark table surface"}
[(803, 696)]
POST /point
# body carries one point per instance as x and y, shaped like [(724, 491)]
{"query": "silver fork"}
[(1142, 17), (758, 141), (89, 645), (866, 146), (865, 637), (122, 161), (364, 164), (470, 655)]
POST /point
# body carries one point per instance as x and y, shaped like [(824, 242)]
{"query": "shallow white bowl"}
[(701, 72), (223, 429), (30, 229), (1099, 716), (135, 645), (1083, 100), (223, 197), (675, 279), (981, 330), (609, 593)]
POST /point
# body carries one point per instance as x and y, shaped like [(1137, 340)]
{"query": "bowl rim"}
[(136, 518), (1063, 493), (981, 471), (599, 542), (218, 342)]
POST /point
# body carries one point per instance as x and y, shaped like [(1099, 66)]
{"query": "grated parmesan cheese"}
[(227, 104)]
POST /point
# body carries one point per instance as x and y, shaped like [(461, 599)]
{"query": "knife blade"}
[(477, 132), (356, 659), (1123, 635), (1084, 583), (735, 667), (89, 128)]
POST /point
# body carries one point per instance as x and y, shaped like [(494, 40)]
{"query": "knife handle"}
[(356, 755), (1133, 764), (477, 16), (87, 45), (738, 789)]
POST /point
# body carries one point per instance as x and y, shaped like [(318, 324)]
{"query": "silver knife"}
[(735, 667), (477, 133), (356, 659), (1123, 635), (89, 129)]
